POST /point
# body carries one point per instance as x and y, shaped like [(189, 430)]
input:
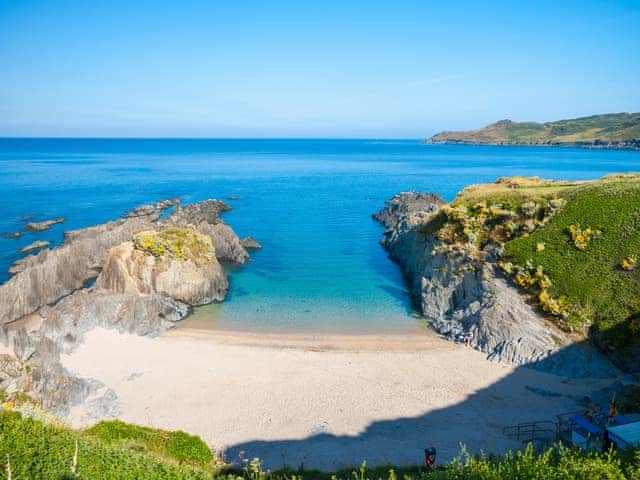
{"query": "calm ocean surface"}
[(309, 202)]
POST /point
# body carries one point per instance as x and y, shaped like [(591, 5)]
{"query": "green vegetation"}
[(30, 449), (177, 445), (46, 451), (572, 247), (177, 243), (612, 130), (588, 257)]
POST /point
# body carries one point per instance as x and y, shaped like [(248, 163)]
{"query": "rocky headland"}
[(137, 274), (614, 131), (453, 257)]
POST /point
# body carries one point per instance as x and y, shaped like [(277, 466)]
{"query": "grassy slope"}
[(593, 278), (617, 127), (38, 451)]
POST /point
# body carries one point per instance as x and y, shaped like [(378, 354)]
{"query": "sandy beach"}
[(322, 402)]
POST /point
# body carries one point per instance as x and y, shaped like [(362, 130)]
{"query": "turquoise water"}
[(309, 202)]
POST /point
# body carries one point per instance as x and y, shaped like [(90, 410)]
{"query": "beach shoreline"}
[(320, 401), (421, 339)]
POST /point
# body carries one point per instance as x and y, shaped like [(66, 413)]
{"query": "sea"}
[(307, 201)]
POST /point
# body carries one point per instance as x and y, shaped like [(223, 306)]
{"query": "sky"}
[(365, 69)]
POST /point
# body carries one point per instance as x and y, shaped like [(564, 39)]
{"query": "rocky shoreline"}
[(138, 274), (597, 145), (466, 298)]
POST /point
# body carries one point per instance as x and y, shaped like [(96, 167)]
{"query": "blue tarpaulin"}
[(586, 424)]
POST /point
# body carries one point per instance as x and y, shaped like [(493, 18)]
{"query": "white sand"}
[(324, 402)]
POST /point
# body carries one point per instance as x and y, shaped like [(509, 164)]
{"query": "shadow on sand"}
[(523, 395)]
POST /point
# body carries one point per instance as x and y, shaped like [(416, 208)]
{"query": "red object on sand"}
[(430, 456)]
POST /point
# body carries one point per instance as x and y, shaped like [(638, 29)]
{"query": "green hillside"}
[(30, 449), (573, 248), (615, 130), (590, 252)]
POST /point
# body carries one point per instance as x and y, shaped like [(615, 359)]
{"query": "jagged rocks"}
[(226, 242), (132, 270), (141, 288), (37, 245), (463, 295), (193, 214), (250, 243), (44, 278), (45, 225)]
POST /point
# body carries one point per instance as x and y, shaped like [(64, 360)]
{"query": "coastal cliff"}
[(616, 130), (459, 294), (467, 286), (147, 272)]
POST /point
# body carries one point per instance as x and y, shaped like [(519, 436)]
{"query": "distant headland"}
[(613, 130)]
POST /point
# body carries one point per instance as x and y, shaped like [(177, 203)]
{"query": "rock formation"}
[(463, 296), (129, 269), (148, 272), (37, 245), (41, 226), (250, 243)]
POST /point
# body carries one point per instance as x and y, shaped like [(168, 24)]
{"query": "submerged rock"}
[(37, 245), (44, 225)]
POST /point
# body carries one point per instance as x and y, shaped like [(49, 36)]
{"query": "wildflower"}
[(630, 263)]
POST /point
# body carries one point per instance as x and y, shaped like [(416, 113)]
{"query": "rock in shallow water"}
[(37, 245), (250, 243), (45, 225)]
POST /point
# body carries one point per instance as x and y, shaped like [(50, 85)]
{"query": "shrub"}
[(177, 243), (629, 263)]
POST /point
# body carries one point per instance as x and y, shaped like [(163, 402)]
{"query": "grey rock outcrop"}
[(46, 309), (45, 225), (250, 243), (464, 296), (195, 213), (130, 270), (51, 274), (226, 242), (37, 245), (205, 218)]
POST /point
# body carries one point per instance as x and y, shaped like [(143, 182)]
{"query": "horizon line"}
[(2, 137)]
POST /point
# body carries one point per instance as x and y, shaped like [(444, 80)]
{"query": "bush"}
[(177, 243)]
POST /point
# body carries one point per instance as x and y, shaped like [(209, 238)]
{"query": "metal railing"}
[(528, 432)]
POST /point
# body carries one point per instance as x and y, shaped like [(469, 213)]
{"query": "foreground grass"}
[(30, 449)]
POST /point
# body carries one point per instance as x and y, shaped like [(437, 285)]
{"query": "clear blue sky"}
[(309, 69)]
